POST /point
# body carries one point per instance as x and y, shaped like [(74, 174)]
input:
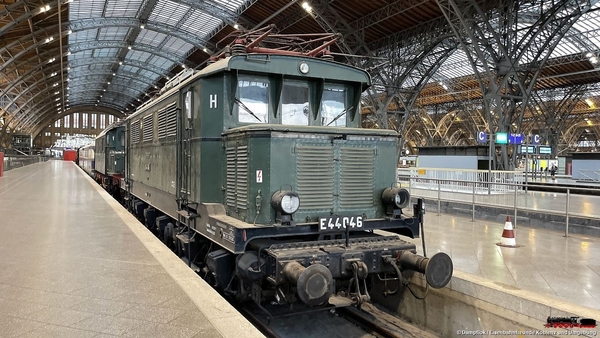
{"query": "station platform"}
[(547, 264), (74, 263), (561, 183)]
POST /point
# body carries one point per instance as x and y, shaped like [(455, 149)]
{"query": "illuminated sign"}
[(535, 139), (515, 138), (501, 138), (545, 150), (528, 150)]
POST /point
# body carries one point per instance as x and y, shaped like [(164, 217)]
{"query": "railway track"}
[(347, 322)]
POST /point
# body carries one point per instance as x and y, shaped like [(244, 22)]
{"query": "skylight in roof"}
[(122, 9), (169, 12), (185, 17)]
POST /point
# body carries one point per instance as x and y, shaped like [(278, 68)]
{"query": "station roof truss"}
[(117, 54)]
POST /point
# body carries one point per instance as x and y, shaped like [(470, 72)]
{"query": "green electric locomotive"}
[(256, 172)]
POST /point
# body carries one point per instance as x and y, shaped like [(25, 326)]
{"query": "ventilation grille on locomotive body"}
[(357, 166), (316, 183), (237, 177), (147, 128), (135, 131), (315, 177), (167, 121)]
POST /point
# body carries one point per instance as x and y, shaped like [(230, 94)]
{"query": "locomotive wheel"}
[(168, 235)]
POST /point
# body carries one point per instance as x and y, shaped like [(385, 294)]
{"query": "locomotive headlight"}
[(396, 197), (287, 202)]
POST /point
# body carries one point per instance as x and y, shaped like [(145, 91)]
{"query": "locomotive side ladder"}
[(186, 214)]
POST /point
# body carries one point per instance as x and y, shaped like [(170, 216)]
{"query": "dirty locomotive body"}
[(255, 171)]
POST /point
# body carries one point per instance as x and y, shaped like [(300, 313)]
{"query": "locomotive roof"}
[(287, 65), (110, 127), (270, 63), (312, 129)]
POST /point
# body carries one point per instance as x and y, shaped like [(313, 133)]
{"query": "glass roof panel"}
[(168, 12), (86, 9), (138, 55), (106, 52), (113, 33), (122, 9), (231, 5), (200, 23), (129, 69), (147, 74), (84, 54), (161, 62), (149, 37), (176, 46), (83, 36), (90, 80)]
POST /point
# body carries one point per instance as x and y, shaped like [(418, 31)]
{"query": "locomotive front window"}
[(252, 100), (333, 106), (295, 109)]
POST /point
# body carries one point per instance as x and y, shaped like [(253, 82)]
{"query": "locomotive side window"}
[(252, 100), (295, 109), (333, 106)]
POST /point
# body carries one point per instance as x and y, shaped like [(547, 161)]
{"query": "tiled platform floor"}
[(567, 268), (71, 267)]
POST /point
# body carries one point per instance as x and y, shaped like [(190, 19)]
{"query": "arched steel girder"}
[(47, 107), (120, 75), (571, 134), (24, 17), (109, 60), (93, 45), (578, 132), (92, 86), (99, 87), (81, 109), (426, 60), (576, 37), (77, 63), (494, 52), (48, 110), (29, 48), (43, 81), (29, 75), (421, 121), (169, 30), (459, 136), (30, 90), (555, 106), (214, 9), (468, 110)]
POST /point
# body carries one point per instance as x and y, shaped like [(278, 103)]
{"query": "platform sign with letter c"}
[(481, 137), (535, 139)]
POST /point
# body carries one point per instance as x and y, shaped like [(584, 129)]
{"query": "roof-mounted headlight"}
[(396, 197), (285, 201)]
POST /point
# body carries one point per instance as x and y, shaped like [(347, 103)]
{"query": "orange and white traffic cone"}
[(508, 235)]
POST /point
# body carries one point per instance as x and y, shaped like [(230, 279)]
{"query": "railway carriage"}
[(86, 159), (110, 157), (256, 172)]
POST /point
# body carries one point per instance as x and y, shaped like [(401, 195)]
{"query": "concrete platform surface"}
[(547, 263), (74, 263)]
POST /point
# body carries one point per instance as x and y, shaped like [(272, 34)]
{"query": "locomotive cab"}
[(262, 155)]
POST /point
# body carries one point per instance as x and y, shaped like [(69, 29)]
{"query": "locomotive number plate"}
[(340, 223)]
